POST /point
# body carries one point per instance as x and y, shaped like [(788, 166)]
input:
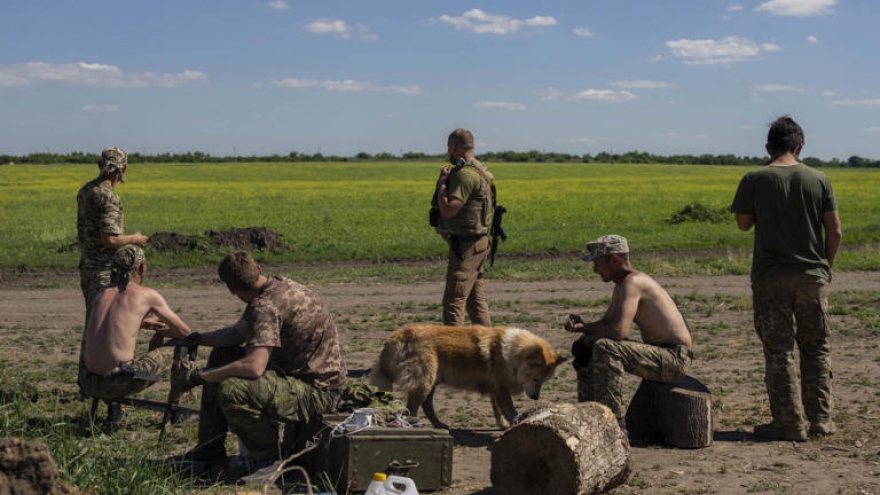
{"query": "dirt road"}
[(45, 322)]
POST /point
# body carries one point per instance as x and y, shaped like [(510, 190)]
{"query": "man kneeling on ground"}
[(603, 354), (111, 333), (280, 364)]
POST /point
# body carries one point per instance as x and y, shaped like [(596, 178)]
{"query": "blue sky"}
[(342, 76)]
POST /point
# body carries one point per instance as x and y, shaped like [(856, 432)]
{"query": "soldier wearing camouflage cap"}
[(99, 226), (110, 368), (603, 354)]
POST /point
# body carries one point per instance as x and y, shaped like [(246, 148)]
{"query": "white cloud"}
[(541, 21), (734, 7), (278, 5), (341, 28), (775, 88), (873, 129), (97, 75), (503, 105), (101, 108), (798, 8), (479, 22), (642, 84), (863, 102), (551, 94), (656, 58), (829, 93), (607, 95), (812, 39), (582, 32), (345, 85), (579, 140), (728, 50)]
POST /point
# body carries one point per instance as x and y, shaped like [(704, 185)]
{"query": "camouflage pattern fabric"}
[(600, 379), (126, 261), (779, 303), (296, 323), (256, 409), (464, 293), (121, 383), (99, 212)]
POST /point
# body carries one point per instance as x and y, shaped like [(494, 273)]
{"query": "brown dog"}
[(496, 361)]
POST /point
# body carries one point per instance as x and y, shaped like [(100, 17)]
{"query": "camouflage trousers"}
[(600, 367), (129, 378), (793, 310), (464, 293), (258, 411)]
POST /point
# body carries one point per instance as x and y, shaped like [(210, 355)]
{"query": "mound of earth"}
[(258, 238), (171, 242), (26, 468), (250, 238)]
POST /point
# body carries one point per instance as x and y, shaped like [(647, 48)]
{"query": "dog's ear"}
[(560, 359), (535, 354)]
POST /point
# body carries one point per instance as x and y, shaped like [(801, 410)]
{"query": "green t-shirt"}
[(463, 183), (789, 204)]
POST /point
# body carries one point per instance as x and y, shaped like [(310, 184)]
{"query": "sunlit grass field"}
[(378, 210)]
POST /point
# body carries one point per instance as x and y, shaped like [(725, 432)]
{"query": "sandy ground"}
[(46, 322)]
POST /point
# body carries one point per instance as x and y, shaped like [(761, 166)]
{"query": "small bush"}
[(697, 212)]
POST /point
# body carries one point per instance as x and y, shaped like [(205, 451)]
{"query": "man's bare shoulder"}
[(640, 280)]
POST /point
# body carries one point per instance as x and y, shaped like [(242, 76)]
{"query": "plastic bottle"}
[(383, 484), (408, 483), (377, 486)]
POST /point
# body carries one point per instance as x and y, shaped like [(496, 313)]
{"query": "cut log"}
[(563, 449), (673, 414)]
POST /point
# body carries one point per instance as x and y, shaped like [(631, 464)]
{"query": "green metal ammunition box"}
[(423, 454)]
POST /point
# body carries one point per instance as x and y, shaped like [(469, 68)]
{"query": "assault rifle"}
[(185, 352), (497, 232)]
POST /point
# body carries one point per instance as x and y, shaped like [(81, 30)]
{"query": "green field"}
[(378, 210)]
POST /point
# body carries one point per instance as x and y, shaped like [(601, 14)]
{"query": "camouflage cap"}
[(125, 261), (112, 159), (607, 244)]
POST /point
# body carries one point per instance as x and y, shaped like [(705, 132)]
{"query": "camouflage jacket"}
[(296, 324), (99, 212)]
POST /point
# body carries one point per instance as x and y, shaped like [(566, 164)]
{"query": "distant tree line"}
[(533, 156)]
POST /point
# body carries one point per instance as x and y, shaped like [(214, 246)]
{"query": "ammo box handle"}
[(398, 468)]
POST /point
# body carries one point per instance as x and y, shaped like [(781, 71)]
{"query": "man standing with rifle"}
[(465, 200)]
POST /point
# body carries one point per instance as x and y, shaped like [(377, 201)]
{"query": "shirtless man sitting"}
[(111, 334), (602, 354)]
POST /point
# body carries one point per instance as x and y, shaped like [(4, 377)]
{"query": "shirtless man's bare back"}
[(117, 316), (603, 354)]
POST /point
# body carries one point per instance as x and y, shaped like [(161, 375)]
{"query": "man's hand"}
[(139, 239), (574, 323), (183, 380), (191, 341)]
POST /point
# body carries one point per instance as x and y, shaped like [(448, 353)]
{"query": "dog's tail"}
[(382, 375)]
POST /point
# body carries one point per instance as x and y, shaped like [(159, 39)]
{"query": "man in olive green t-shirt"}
[(797, 235), (464, 197)]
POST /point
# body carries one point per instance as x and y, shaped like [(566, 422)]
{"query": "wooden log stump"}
[(562, 449), (673, 414)]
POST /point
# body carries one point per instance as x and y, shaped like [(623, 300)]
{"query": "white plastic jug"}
[(383, 484)]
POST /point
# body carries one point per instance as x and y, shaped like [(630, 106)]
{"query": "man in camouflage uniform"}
[(280, 364), (99, 227), (791, 205), (465, 197), (111, 369), (602, 354)]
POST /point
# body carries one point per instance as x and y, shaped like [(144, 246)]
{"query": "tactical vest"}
[(475, 216)]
